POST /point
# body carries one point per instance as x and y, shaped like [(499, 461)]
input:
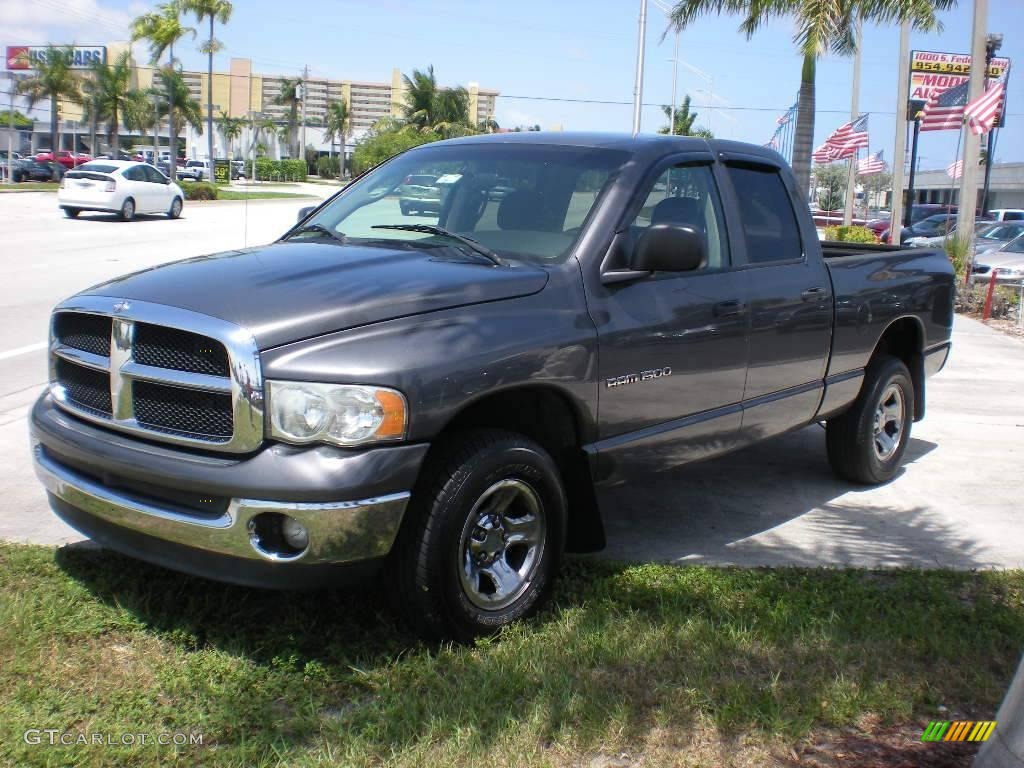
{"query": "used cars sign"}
[(79, 56)]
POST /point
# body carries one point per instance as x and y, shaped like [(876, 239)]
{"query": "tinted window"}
[(1013, 216), (134, 174), (685, 195), (153, 175), (97, 167), (766, 215)]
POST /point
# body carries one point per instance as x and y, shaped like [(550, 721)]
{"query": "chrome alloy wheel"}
[(502, 544), (889, 418)]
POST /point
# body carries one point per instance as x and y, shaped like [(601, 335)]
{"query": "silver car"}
[(988, 236), (1007, 263)]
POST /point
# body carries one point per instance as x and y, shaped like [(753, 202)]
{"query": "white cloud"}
[(63, 21)]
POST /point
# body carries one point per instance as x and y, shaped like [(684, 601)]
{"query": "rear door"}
[(672, 345), (790, 297)]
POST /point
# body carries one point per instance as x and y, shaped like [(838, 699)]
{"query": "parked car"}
[(988, 236), (419, 193), (119, 155), (939, 224), (918, 211), (65, 158), (123, 187), (1007, 262), (238, 169), (435, 403), (197, 170), (1007, 214), (31, 169)]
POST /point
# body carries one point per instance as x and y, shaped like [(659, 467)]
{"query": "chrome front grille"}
[(165, 373)]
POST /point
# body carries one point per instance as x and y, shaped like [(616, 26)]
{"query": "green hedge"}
[(850, 234), (199, 190), (277, 170), (327, 167)]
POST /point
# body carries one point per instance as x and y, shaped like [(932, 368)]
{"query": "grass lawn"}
[(31, 186), (665, 665)]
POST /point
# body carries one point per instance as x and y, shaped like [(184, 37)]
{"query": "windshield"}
[(1002, 231), (519, 201), (1015, 246), (97, 167)]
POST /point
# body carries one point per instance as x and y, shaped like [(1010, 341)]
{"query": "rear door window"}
[(767, 219)]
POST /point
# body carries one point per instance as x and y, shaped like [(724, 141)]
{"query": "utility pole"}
[(969, 180), (305, 88), (900, 150), (10, 129), (675, 70), (851, 176), (638, 87)]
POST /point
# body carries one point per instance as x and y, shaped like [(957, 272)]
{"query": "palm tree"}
[(432, 109), (231, 128), (488, 125), (214, 10), (290, 96), (162, 28), (684, 121), (336, 123), (140, 114), (821, 26), (180, 108), (106, 95), (53, 80)]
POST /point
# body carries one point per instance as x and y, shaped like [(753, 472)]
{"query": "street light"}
[(667, 10), (638, 85)]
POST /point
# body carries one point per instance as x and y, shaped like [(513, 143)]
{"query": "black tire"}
[(853, 450), (71, 213), (406, 210), (127, 212), (435, 545), (175, 210)]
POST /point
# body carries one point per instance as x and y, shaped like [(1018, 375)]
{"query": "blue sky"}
[(560, 50)]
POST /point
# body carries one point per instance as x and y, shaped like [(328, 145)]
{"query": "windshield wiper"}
[(433, 229), (319, 229)]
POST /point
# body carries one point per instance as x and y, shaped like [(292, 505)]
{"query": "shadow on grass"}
[(622, 651)]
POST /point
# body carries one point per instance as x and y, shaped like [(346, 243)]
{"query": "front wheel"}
[(71, 213), (127, 212), (175, 210), (406, 210), (866, 444), (481, 545)]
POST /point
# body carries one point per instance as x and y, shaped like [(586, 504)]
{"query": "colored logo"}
[(17, 57), (958, 730)]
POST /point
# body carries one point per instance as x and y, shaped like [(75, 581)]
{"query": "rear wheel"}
[(481, 545), (406, 210), (127, 212), (71, 213), (175, 209), (866, 444)]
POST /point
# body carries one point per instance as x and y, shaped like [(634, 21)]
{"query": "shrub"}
[(327, 167), (199, 190), (850, 234), (958, 249), (277, 170)]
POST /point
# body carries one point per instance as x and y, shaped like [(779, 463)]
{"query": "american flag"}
[(944, 111), (786, 116), (982, 113), (844, 141), (955, 170), (871, 164)]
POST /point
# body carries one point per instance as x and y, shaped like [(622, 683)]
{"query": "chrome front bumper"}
[(339, 532)]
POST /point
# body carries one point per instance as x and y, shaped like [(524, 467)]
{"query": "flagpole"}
[(952, 183), (902, 99), (992, 44), (851, 175), (908, 212), (969, 175)]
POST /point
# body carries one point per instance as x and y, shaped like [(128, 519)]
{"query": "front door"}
[(672, 345)]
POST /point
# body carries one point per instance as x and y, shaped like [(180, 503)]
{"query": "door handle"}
[(813, 294), (733, 308)]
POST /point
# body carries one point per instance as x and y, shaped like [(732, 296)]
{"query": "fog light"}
[(294, 533)]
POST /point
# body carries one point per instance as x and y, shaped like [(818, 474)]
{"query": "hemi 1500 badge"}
[(633, 378)]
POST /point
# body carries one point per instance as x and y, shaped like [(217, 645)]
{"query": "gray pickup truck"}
[(434, 399)]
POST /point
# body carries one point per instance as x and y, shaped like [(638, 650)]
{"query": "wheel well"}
[(904, 340), (545, 415)]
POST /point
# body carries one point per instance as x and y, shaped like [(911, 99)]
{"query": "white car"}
[(1007, 214), (124, 187), (195, 169)]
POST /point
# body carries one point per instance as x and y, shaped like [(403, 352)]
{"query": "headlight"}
[(342, 414)]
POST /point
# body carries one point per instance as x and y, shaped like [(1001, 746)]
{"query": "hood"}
[(289, 291)]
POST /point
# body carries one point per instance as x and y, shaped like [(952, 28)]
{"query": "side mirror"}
[(305, 211), (669, 248)]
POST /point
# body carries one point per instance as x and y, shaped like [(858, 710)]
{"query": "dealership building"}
[(241, 93)]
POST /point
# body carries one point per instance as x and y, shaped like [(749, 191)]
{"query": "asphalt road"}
[(957, 503)]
